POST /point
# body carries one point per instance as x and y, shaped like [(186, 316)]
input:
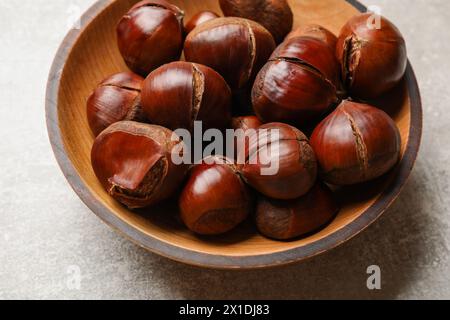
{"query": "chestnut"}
[(133, 163), (275, 15), (315, 31), (179, 93), (355, 144), (290, 219), (115, 99), (279, 162), (198, 19), (236, 48), (373, 60), (244, 123), (150, 35), (215, 199), (298, 84)]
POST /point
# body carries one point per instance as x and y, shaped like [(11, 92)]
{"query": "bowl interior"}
[(95, 56)]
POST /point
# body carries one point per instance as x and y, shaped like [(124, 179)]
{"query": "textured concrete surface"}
[(48, 236)]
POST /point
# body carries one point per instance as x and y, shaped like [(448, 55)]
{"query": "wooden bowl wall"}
[(90, 54)]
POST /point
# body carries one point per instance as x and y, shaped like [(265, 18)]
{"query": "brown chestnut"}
[(198, 19), (373, 60), (133, 163), (150, 35), (236, 48), (356, 143), (279, 162), (244, 123), (275, 15), (314, 31), (179, 93), (215, 199), (290, 219), (115, 99), (298, 84)]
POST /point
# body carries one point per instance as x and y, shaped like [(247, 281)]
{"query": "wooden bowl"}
[(90, 54)]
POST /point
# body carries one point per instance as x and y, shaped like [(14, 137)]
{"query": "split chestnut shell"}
[(298, 84), (275, 15), (133, 163), (179, 93), (245, 123), (279, 162), (150, 35), (236, 48), (373, 57), (115, 99), (355, 144)]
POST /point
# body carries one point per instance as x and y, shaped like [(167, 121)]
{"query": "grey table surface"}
[(48, 236)]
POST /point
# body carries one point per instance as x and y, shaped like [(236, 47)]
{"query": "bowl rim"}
[(214, 261)]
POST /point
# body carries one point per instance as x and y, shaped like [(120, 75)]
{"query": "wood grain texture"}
[(90, 54)]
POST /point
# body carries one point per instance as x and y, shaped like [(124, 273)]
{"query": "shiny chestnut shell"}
[(373, 61), (244, 123), (198, 19), (283, 147), (298, 84), (215, 199), (115, 99), (355, 144), (150, 35), (133, 163), (275, 15), (289, 219), (314, 31), (236, 48), (179, 93)]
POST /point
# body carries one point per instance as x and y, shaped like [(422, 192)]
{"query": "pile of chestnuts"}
[(234, 76)]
